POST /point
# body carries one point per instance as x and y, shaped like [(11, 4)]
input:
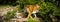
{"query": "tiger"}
[(31, 9)]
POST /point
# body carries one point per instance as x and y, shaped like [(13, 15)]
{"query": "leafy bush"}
[(47, 7), (46, 10)]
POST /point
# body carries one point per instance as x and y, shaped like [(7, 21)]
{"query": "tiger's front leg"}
[(29, 15)]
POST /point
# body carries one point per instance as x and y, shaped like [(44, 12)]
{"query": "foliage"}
[(46, 10), (32, 20), (10, 15), (9, 2), (47, 7), (57, 12)]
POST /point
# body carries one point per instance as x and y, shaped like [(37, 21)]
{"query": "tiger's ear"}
[(38, 6)]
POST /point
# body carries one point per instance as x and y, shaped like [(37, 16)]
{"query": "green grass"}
[(33, 20)]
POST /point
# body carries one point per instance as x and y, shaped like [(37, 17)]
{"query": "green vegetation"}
[(33, 20), (10, 15)]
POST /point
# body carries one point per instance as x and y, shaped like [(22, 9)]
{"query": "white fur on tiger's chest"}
[(35, 11)]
